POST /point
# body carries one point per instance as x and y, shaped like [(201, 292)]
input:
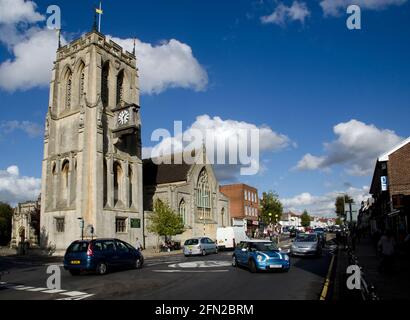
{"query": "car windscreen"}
[(191, 242), (264, 246), (306, 238), (78, 247)]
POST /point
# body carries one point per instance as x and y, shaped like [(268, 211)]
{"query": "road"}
[(173, 277)]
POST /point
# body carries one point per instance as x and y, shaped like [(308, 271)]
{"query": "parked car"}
[(260, 255), (100, 255), (306, 244), (200, 245), (229, 237)]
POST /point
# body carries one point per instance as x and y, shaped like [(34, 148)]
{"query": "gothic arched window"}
[(105, 181), (64, 180), (182, 211), (223, 217), (120, 87), (68, 88), (118, 183), (203, 198), (130, 177), (81, 83), (104, 83)]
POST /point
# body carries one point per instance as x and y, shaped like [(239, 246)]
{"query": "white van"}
[(229, 237)]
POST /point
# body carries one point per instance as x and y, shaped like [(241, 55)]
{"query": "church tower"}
[(92, 168)]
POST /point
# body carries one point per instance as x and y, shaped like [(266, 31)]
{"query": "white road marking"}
[(37, 289), (189, 271), (54, 291), (201, 264), (23, 288), (73, 293), (77, 297)]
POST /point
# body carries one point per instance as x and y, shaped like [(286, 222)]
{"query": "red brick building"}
[(244, 204), (390, 189)]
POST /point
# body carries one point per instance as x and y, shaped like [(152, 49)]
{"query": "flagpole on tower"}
[(99, 18), (99, 11)]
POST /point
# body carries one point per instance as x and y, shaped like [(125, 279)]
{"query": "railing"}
[(367, 290)]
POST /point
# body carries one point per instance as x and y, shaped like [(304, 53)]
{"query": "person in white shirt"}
[(138, 244), (386, 247)]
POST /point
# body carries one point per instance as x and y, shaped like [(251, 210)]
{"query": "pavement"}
[(388, 286), (168, 277)]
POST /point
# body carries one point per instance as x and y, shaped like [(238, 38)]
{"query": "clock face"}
[(123, 117)]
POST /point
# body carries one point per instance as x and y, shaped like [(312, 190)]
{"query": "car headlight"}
[(259, 258)]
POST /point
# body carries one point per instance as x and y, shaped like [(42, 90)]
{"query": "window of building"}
[(59, 224), (118, 182), (104, 83), (182, 210), (245, 195), (120, 87), (120, 224), (203, 199), (68, 86)]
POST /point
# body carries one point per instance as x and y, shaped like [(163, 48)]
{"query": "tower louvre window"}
[(104, 84), (68, 89), (120, 87)]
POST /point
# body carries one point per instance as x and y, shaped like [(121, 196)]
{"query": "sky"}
[(327, 100)]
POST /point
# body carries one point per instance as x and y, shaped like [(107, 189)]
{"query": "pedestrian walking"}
[(386, 248), (138, 244)]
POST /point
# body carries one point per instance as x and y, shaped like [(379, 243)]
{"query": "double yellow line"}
[(327, 281)]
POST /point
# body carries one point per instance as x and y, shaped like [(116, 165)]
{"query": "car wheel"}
[(204, 252), (138, 263), (234, 261), (252, 266), (74, 272), (101, 268)]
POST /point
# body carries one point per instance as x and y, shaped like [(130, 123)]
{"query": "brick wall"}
[(235, 193), (399, 171)]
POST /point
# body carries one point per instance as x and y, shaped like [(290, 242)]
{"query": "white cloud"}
[(170, 64), (32, 129), (14, 11), (357, 147), (323, 205), (216, 132), (337, 7), (15, 188), (298, 11), (32, 63)]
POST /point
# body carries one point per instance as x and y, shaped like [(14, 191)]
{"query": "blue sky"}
[(306, 77)]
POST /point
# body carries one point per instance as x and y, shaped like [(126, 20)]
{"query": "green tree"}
[(6, 214), (164, 221), (305, 219), (271, 207), (339, 204), (338, 221)]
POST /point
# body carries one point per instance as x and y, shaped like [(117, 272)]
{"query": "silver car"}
[(306, 244), (200, 245)]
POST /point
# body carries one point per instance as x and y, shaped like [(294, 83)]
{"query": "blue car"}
[(260, 255), (100, 255)]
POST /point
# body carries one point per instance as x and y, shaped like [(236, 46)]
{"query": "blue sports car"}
[(260, 255)]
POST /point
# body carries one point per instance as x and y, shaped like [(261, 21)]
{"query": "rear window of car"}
[(78, 247), (191, 242), (306, 238)]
